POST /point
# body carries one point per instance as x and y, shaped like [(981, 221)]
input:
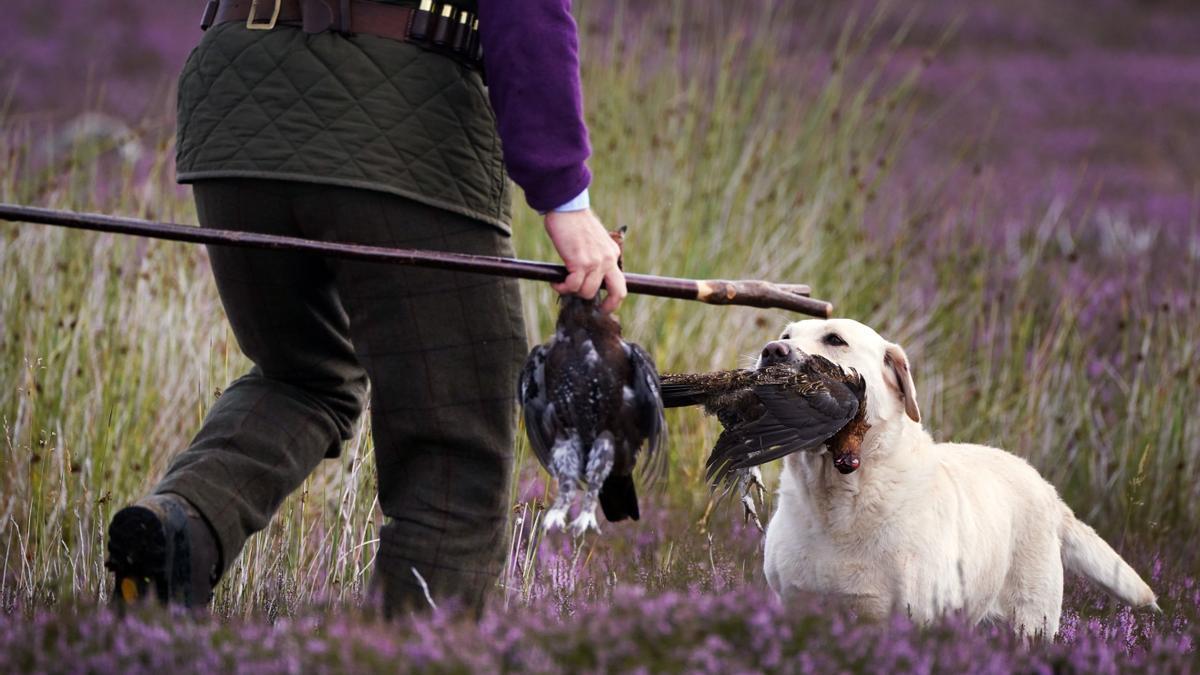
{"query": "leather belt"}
[(439, 26)]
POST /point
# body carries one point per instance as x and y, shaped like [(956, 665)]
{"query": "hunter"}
[(370, 122)]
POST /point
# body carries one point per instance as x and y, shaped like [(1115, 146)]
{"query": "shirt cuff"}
[(579, 203)]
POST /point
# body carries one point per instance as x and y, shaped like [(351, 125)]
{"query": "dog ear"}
[(896, 360)]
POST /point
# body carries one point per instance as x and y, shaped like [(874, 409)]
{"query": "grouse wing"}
[(648, 404), (536, 405), (798, 415)]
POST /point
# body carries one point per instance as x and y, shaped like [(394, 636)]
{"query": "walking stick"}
[(751, 293)]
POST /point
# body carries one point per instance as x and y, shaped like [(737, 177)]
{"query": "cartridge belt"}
[(441, 27)]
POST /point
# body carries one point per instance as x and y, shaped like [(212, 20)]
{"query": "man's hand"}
[(590, 255)]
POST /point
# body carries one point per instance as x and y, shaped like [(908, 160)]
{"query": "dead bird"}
[(591, 402), (789, 403)]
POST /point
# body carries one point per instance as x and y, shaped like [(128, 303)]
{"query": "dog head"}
[(891, 395)]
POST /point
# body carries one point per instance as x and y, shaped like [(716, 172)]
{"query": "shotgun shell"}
[(462, 36), (419, 29), (443, 25), (474, 41), (476, 52)]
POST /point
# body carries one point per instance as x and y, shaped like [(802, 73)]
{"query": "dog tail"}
[(1086, 553)]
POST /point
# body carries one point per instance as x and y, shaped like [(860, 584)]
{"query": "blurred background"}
[(1076, 98), (1009, 188)]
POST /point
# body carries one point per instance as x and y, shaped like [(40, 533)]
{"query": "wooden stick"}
[(750, 293)]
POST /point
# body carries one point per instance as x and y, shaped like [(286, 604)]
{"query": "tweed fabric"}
[(356, 111), (442, 351)]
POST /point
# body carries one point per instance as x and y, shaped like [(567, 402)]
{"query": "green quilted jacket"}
[(363, 112)]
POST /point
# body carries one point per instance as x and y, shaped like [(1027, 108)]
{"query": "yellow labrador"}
[(925, 527)]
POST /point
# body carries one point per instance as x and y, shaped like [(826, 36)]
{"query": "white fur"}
[(924, 527)]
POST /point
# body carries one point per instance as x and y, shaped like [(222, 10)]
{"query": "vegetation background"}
[(1009, 189)]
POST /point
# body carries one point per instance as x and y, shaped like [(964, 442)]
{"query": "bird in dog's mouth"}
[(845, 446), (790, 402)]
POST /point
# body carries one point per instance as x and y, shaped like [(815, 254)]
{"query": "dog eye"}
[(834, 340), (785, 336)]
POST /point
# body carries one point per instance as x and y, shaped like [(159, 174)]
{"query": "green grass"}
[(728, 161)]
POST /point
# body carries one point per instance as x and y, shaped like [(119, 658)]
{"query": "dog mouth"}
[(845, 462), (846, 445)]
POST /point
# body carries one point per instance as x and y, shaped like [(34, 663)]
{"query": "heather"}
[(633, 631), (1007, 189)]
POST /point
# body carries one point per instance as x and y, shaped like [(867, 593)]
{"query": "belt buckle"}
[(251, 20)]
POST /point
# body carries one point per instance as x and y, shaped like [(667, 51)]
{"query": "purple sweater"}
[(531, 52)]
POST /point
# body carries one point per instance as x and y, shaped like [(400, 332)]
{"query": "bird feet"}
[(556, 517), (586, 520), (749, 483), (751, 511)]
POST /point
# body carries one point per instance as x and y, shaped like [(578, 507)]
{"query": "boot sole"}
[(144, 560)]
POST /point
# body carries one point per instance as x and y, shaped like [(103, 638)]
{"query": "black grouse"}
[(791, 402), (591, 403)]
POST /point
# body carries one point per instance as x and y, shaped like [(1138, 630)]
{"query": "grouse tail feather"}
[(618, 499)]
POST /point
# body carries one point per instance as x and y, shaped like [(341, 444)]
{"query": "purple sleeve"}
[(531, 53)]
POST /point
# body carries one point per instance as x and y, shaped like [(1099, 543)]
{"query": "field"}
[(1010, 190)]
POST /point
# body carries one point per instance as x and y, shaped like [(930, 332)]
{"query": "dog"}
[(922, 527)]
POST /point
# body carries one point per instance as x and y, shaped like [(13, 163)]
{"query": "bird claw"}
[(751, 511), (754, 476), (585, 521), (555, 518), (751, 482)]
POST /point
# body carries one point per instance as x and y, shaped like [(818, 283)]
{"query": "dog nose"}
[(776, 352)]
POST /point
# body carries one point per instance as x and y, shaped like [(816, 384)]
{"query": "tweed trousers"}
[(441, 350)]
